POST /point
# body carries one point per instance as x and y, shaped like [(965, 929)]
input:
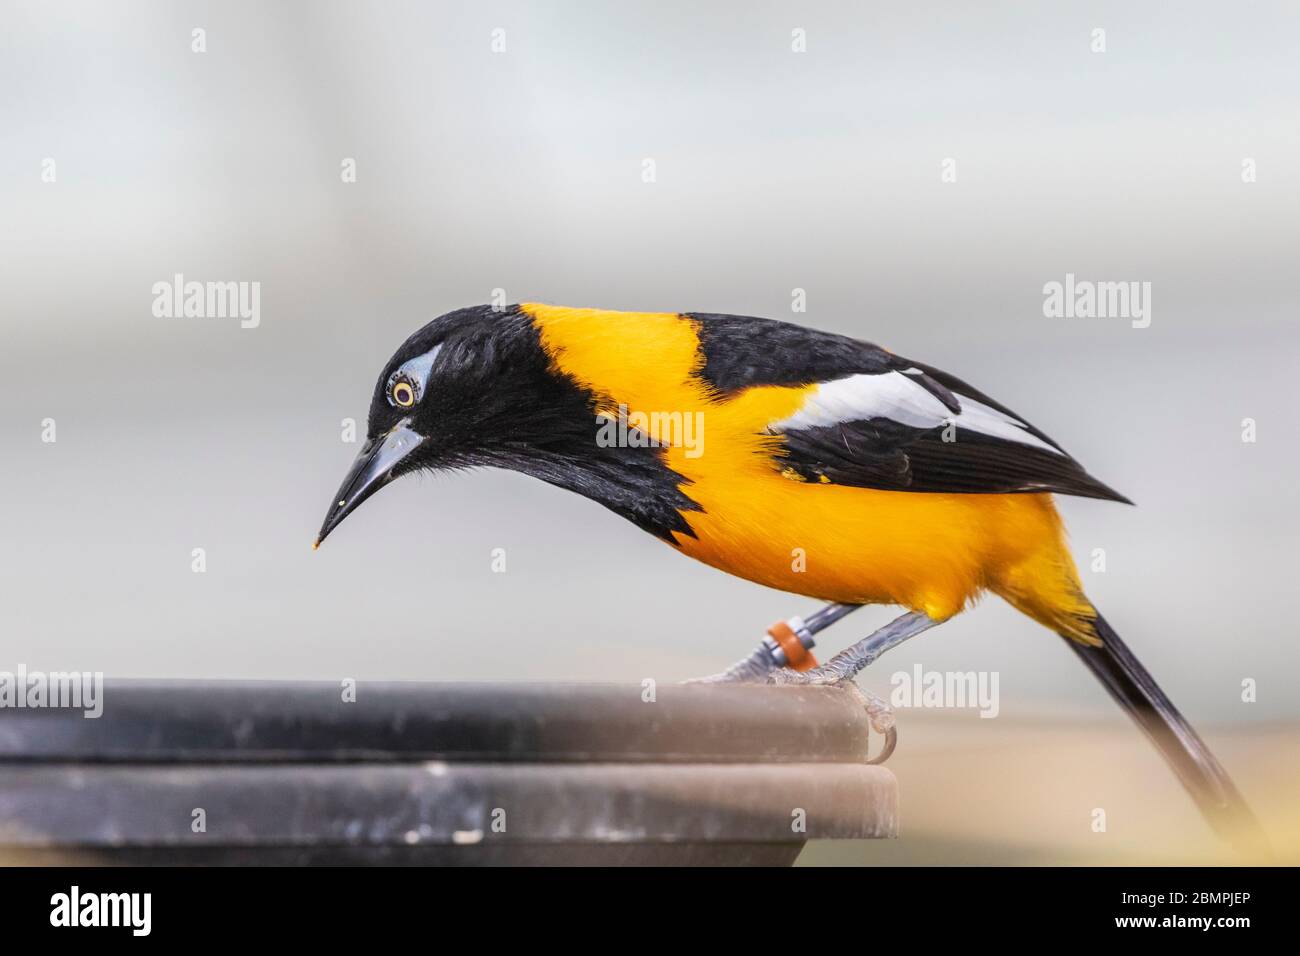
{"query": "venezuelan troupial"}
[(906, 485)]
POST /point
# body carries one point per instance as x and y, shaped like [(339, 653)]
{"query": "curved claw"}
[(881, 717), (891, 741), (879, 714)]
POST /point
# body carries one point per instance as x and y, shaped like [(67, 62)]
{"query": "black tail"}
[(1136, 691)]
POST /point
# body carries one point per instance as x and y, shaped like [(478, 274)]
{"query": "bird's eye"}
[(402, 394)]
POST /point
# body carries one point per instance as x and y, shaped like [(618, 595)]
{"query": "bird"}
[(807, 461)]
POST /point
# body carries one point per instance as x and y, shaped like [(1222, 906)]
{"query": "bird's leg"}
[(787, 645), (848, 662)]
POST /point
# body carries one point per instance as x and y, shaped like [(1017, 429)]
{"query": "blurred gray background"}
[(521, 170)]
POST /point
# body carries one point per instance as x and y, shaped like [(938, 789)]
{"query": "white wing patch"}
[(895, 396)]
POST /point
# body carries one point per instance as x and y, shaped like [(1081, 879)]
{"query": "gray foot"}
[(822, 676), (879, 714), (754, 669)]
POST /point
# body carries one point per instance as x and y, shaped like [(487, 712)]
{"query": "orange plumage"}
[(929, 552)]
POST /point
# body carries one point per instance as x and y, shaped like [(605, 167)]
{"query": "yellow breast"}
[(931, 552)]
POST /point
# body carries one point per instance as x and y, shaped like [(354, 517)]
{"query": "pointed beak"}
[(372, 470)]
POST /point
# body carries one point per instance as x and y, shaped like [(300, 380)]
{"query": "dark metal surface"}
[(442, 803), (512, 854), (426, 774), (201, 721)]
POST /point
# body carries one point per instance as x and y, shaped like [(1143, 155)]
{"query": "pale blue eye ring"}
[(406, 384)]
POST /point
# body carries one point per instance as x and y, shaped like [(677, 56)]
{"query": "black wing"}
[(878, 420)]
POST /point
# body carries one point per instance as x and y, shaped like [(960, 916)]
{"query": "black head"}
[(476, 387), (464, 390)]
